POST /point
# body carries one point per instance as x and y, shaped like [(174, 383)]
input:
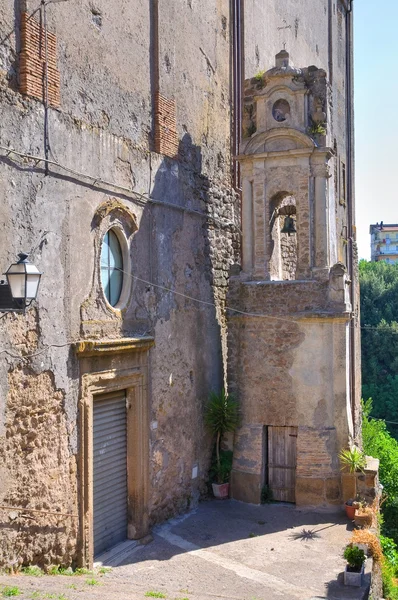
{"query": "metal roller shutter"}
[(110, 470)]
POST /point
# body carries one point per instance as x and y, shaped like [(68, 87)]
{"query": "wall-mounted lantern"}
[(22, 285)]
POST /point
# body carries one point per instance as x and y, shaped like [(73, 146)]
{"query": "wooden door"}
[(282, 442)]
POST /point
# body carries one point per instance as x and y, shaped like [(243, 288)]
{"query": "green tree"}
[(377, 442), (221, 416), (379, 321)]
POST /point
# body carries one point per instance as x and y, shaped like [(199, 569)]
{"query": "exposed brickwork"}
[(32, 61), (314, 455), (166, 138)]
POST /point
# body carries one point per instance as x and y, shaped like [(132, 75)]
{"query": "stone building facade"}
[(119, 125), (293, 329)]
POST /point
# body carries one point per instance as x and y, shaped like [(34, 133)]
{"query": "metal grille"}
[(110, 470)]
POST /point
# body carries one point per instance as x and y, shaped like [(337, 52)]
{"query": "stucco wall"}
[(103, 128)]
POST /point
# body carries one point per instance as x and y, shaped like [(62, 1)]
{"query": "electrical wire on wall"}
[(141, 199)]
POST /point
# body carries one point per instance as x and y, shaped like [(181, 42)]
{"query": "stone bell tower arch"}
[(281, 157), (289, 336)]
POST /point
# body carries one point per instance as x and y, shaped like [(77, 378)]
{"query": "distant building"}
[(384, 242)]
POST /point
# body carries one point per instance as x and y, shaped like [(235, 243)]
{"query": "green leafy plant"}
[(92, 582), (390, 588), (354, 557), (259, 76), (221, 416), (379, 443), (266, 494), (9, 591), (317, 128), (352, 460), (251, 129), (83, 571), (222, 471), (390, 550), (379, 320), (32, 571), (155, 595)]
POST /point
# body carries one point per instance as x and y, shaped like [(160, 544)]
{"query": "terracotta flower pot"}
[(350, 511), (220, 490)]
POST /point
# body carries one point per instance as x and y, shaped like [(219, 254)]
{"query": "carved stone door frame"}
[(109, 367)]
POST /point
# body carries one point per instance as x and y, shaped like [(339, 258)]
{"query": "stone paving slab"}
[(223, 550)]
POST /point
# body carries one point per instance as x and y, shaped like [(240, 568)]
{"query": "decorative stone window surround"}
[(117, 224), (98, 317), (297, 100)]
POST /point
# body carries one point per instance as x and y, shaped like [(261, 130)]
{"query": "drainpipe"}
[(350, 203), (237, 83), (238, 70)]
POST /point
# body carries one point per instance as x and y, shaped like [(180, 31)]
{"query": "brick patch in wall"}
[(32, 62), (314, 457), (166, 138)]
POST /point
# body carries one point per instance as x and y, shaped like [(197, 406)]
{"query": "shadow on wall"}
[(173, 299), (171, 250)]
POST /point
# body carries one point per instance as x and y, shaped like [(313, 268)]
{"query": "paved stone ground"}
[(223, 550)]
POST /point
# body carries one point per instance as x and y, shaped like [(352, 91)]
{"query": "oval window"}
[(111, 267), (281, 110)]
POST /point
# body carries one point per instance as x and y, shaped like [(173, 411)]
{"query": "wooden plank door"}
[(282, 444)]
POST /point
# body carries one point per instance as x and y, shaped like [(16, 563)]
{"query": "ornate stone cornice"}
[(85, 348)]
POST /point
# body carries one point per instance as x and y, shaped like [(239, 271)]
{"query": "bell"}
[(288, 226)]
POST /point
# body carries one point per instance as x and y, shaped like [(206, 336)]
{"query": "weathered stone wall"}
[(103, 132), (38, 471), (288, 253), (296, 364), (288, 367)]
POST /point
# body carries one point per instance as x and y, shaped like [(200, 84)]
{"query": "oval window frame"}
[(126, 268)]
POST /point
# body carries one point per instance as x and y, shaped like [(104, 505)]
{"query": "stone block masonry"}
[(37, 48)]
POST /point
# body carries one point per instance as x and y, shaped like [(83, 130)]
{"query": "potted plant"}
[(350, 507), (221, 416), (353, 574), (364, 515), (352, 460)]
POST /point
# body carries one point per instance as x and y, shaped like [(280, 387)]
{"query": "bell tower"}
[(289, 335), (285, 165)]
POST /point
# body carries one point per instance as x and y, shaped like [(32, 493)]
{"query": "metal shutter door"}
[(110, 470)]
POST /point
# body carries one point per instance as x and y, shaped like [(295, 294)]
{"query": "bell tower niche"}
[(285, 169), (289, 310)]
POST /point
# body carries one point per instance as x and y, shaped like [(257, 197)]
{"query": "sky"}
[(376, 115)]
